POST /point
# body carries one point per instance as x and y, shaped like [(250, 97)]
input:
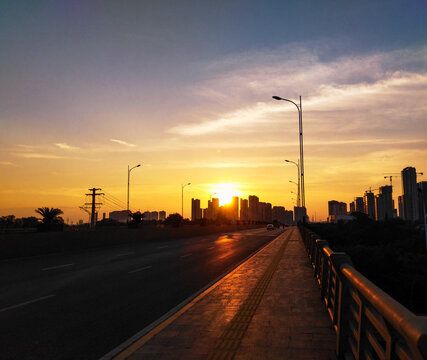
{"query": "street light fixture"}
[(210, 196), (299, 192), (182, 198), (301, 152), (129, 170)]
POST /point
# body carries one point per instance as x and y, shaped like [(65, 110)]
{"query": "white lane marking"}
[(212, 247), (163, 247), (186, 255), (57, 267), (140, 269), (26, 303), (125, 254)]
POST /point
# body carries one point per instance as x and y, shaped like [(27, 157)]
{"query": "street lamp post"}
[(129, 170), (210, 196), (182, 198), (301, 152), (299, 182)]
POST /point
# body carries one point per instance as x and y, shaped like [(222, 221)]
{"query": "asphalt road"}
[(80, 306)]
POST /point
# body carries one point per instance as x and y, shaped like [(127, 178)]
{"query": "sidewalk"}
[(267, 308)]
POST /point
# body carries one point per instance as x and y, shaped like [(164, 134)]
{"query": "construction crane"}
[(390, 176)]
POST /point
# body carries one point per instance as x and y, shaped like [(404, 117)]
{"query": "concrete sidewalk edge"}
[(126, 348)]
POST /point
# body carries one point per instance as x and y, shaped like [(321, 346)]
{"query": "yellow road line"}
[(230, 340)]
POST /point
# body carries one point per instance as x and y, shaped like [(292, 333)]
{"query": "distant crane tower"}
[(93, 204)]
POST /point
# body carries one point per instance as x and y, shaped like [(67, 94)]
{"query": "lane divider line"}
[(212, 247), (140, 269), (125, 254), (229, 342), (127, 348), (26, 303), (163, 247), (186, 255), (57, 267)]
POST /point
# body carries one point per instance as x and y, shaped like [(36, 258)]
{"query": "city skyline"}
[(185, 90)]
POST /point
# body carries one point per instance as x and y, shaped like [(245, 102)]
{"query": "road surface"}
[(82, 305)]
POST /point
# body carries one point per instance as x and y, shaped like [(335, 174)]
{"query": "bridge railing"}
[(369, 323)]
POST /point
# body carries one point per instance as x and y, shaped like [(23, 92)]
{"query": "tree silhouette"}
[(174, 219), (50, 216)]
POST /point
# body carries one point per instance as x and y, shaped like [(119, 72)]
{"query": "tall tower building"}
[(196, 211), (369, 203), (244, 209), (422, 199), (410, 194), (384, 203), (215, 208), (234, 208), (360, 206), (253, 207)]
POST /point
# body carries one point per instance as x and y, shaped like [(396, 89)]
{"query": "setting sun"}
[(225, 192)]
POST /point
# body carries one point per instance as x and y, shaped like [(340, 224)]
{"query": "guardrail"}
[(369, 323)]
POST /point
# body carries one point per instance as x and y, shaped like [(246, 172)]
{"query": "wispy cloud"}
[(344, 93), (65, 146), (121, 142), (8, 163), (39, 156)]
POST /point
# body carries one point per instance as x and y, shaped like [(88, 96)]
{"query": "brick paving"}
[(290, 321)]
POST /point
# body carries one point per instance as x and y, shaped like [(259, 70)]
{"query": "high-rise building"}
[(384, 203), (352, 207), (360, 206), (196, 211), (215, 208), (244, 209), (234, 208), (410, 194), (162, 215), (369, 204), (337, 208), (422, 199), (278, 213), (264, 212), (400, 205), (253, 207)]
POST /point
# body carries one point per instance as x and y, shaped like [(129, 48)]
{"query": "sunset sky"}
[(184, 88)]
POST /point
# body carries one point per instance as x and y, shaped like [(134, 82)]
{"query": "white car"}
[(270, 227)]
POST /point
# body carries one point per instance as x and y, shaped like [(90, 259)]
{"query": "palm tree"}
[(50, 216)]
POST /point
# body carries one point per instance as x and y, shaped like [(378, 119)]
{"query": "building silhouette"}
[(196, 211), (410, 194), (234, 208), (337, 208), (162, 215), (422, 199), (244, 209), (360, 206), (369, 204), (120, 216), (384, 203), (253, 208)]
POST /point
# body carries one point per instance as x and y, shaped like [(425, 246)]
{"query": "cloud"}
[(65, 146), (39, 156), (121, 142), (8, 163), (340, 94)]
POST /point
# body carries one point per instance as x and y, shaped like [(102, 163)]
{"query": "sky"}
[(184, 88)]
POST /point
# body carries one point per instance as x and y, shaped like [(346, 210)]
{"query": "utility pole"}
[(93, 204)]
